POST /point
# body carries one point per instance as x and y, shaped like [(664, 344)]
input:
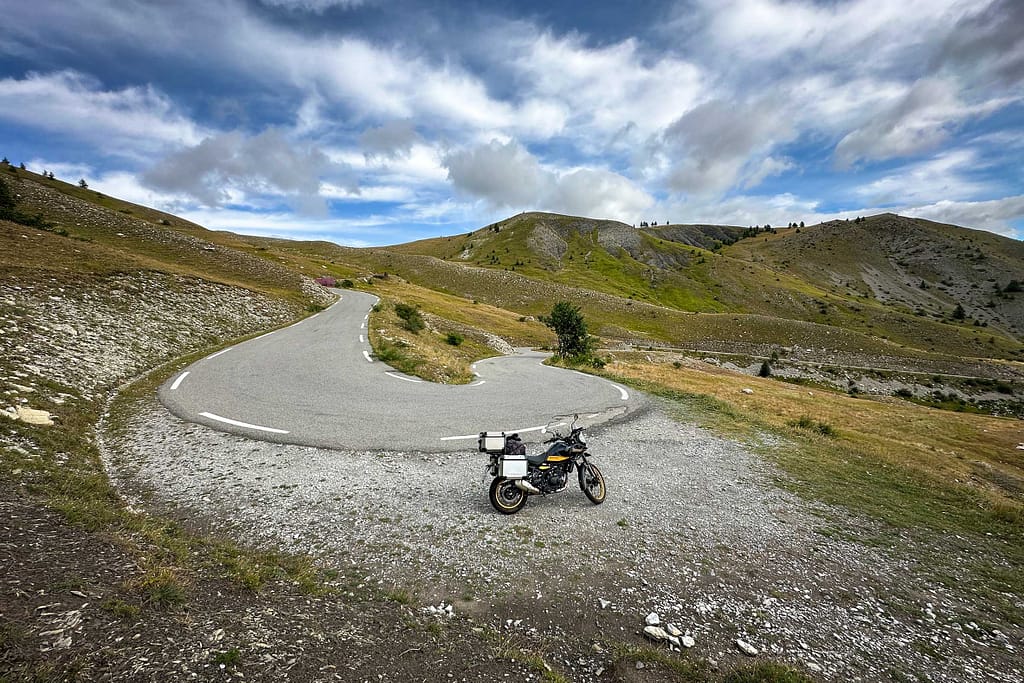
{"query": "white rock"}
[(656, 633), (673, 630), (652, 619), (604, 603), (687, 641), (747, 391), (746, 648), (33, 416)]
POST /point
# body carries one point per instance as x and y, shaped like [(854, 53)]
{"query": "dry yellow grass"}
[(976, 451)]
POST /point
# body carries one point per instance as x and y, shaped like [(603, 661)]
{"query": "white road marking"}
[(360, 339), (476, 384), (313, 316), (243, 424), (363, 326), (623, 392), (397, 376), (214, 355), (507, 431), (177, 382), (366, 355)]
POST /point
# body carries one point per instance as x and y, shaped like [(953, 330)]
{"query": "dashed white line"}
[(236, 423), (360, 339), (476, 384), (214, 355), (366, 355), (363, 326), (177, 382), (407, 379)]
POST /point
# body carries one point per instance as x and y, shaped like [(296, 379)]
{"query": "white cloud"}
[(603, 88), (921, 119), (995, 215), (503, 174), (942, 176), (315, 6), (131, 121), (262, 164), (507, 175), (719, 144)]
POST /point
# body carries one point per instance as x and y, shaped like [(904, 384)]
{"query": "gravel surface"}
[(692, 529)]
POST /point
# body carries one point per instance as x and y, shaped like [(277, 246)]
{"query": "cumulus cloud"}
[(916, 122), (315, 6), (263, 164), (720, 144), (604, 88), (996, 215), (503, 174), (945, 175), (128, 121), (987, 44), (391, 140), (507, 175)]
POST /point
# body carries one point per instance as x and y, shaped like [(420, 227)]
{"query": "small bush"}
[(455, 339), (347, 284), (765, 371), (231, 658), (807, 423), (413, 321), (161, 587), (903, 392), (768, 672)]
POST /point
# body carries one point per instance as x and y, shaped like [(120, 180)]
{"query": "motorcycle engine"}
[(552, 480)]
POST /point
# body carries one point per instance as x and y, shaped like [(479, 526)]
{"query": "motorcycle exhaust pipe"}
[(524, 485)]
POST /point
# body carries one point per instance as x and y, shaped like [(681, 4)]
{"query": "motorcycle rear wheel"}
[(592, 483), (506, 497)]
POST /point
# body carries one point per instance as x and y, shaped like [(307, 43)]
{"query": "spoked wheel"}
[(506, 497), (592, 483)]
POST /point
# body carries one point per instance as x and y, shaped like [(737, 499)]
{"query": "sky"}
[(372, 122)]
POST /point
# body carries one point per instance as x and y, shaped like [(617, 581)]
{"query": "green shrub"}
[(806, 422), (347, 284), (410, 315), (455, 339)]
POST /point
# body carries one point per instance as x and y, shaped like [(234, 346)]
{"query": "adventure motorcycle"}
[(518, 475)]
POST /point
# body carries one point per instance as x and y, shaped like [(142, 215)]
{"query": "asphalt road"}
[(315, 383)]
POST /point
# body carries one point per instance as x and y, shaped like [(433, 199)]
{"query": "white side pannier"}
[(513, 467), (492, 442)]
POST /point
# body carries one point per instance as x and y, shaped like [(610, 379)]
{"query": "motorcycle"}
[(518, 475)]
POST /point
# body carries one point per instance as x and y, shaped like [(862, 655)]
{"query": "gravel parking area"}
[(692, 529)]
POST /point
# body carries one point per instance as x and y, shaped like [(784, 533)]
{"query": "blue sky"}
[(371, 122)]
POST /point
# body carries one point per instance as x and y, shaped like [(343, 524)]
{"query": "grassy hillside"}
[(887, 278), (92, 233)]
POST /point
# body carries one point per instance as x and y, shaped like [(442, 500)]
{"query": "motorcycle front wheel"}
[(506, 497), (592, 483)]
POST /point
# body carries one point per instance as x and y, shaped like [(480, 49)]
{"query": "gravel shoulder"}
[(693, 529)]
